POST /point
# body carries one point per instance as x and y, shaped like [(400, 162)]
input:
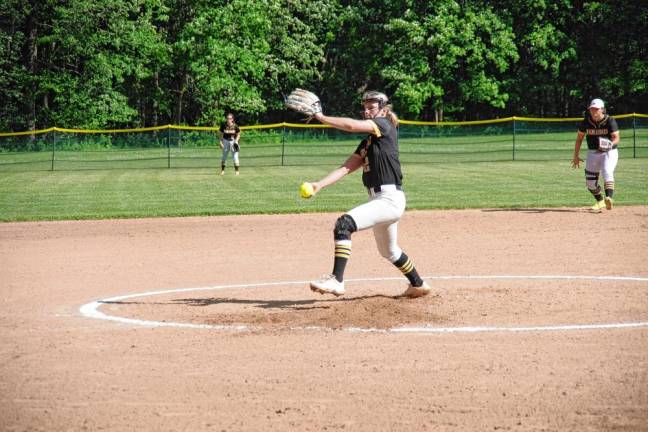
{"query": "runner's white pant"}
[(603, 162), (382, 213), (227, 147)]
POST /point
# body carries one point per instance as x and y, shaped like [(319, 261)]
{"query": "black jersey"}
[(594, 130), (229, 132), (379, 153)]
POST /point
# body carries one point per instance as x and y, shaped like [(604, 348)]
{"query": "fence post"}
[(168, 140), (53, 149), (634, 136), (513, 137), (283, 142)]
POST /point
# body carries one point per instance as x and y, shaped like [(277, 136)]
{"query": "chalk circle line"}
[(91, 310)]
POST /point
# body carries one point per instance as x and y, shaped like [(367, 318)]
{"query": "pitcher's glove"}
[(304, 102), (604, 144), (236, 147)]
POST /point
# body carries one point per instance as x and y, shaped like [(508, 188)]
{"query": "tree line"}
[(135, 63)]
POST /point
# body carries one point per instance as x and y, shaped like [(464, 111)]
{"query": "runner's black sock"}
[(597, 194), (609, 189)]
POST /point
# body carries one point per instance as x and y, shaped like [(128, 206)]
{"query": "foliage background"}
[(134, 63)]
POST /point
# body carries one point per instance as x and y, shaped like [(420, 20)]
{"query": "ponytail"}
[(391, 115)]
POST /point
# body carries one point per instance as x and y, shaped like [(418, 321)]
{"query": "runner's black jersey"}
[(379, 153), (229, 132), (594, 130)]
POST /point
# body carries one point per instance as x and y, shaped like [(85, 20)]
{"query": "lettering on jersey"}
[(231, 131), (593, 132)]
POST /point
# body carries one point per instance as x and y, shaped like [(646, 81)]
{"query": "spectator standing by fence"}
[(603, 138), (230, 133)]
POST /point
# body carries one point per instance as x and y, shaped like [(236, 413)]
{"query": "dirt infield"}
[(485, 352)]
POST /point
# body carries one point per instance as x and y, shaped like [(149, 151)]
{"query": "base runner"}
[(603, 139)]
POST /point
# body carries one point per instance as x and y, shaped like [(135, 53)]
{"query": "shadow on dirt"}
[(537, 210), (277, 304), (264, 304)]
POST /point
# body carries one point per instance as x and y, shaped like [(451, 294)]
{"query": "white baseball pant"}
[(603, 162), (382, 213), (227, 147)]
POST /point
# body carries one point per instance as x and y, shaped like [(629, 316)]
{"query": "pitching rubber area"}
[(92, 309)]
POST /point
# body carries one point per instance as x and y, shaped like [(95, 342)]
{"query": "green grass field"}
[(156, 192)]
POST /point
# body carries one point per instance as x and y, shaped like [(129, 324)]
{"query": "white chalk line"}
[(91, 310)]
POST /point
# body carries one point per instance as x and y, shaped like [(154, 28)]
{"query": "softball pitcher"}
[(230, 134), (378, 157), (603, 138)]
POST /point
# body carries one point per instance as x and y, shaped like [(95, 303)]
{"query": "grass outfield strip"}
[(157, 192)]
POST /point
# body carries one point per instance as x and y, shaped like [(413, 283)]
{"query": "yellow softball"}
[(306, 190)]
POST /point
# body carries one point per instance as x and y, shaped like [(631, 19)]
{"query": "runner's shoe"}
[(596, 208)]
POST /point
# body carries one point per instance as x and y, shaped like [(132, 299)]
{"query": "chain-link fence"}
[(286, 144)]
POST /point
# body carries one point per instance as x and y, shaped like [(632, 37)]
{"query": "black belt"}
[(377, 189)]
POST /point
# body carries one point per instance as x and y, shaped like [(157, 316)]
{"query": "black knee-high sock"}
[(342, 254), (406, 266), (592, 178), (598, 196), (609, 189)]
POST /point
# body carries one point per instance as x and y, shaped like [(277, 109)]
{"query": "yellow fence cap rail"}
[(35, 132), (104, 131), (307, 125), (454, 123), (195, 128), (284, 124), (547, 119), (263, 126), (300, 125)]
